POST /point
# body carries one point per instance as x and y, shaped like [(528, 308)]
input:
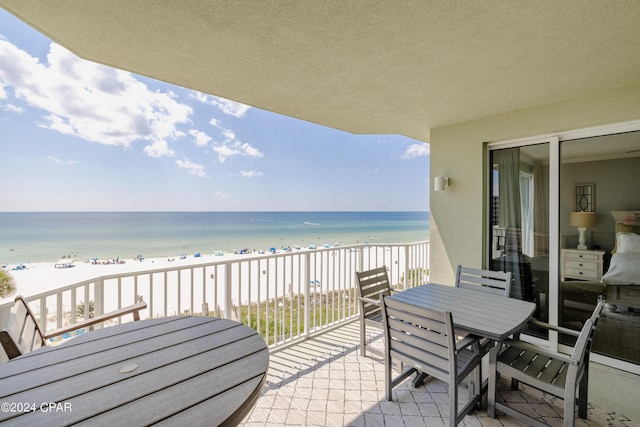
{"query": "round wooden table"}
[(173, 371)]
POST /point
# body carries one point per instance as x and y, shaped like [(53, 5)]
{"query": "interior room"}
[(599, 177)]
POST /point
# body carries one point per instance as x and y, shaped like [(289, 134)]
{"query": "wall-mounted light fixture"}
[(440, 183)]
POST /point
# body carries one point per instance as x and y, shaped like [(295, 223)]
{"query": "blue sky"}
[(78, 136)]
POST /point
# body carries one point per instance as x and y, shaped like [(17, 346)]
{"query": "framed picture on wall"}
[(585, 197)]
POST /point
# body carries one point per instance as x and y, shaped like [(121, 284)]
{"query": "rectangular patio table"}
[(173, 371), (475, 312)]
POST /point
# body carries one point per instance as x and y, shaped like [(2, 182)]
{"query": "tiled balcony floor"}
[(325, 382)]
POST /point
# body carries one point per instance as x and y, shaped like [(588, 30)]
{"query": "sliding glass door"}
[(558, 211)]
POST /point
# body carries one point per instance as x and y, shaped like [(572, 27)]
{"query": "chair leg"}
[(363, 337), (582, 395), (569, 407), (453, 403), (493, 379), (477, 386), (388, 386)]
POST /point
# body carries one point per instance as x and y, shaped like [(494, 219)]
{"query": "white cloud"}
[(199, 96), (62, 162), (92, 101), (224, 151), (193, 168), (250, 151), (416, 150), (158, 149), (227, 106), (231, 108), (251, 174), (13, 108), (3, 93), (202, 139), (232, 147), (220, 195), (236, 148), (228, 134), (214, 122)]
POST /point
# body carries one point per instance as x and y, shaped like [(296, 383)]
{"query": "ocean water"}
[(47, 237)]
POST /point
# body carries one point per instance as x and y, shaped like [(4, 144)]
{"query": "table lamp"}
[(582, 220)]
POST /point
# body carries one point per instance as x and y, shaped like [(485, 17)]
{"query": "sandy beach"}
[(40, 277)]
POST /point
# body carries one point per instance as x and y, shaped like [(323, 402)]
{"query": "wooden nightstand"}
[(581, 264)]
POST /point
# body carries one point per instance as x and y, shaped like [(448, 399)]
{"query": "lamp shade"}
[(582, 219)]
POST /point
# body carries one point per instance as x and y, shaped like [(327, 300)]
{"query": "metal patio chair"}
[(425, 341), (23, 334), (558, 374), (370, 284)]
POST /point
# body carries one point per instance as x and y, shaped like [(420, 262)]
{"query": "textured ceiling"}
[(376, 67)]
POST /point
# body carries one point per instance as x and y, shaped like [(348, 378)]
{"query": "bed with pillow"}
[(622, 279)]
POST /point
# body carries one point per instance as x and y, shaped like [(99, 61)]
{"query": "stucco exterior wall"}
[(458, 152)]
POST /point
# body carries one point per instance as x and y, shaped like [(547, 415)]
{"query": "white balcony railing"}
[(284, 296)]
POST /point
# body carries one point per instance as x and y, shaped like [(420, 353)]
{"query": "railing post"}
[(59, 312), (407, 265), (98, 302), (428, 260), (74, 309), (43, 313), (227, 291), (307, 297)]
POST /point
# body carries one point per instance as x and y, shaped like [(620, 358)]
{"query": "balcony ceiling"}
[(373, 67)]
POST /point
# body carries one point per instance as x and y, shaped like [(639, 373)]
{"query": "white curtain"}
[(508, 161)]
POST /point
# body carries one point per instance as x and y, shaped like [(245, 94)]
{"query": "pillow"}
[(628, 243), (623, 270), (624, 228)]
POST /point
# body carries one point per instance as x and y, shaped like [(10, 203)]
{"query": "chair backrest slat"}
[(22, 333), (370, 284), (495, 282)]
